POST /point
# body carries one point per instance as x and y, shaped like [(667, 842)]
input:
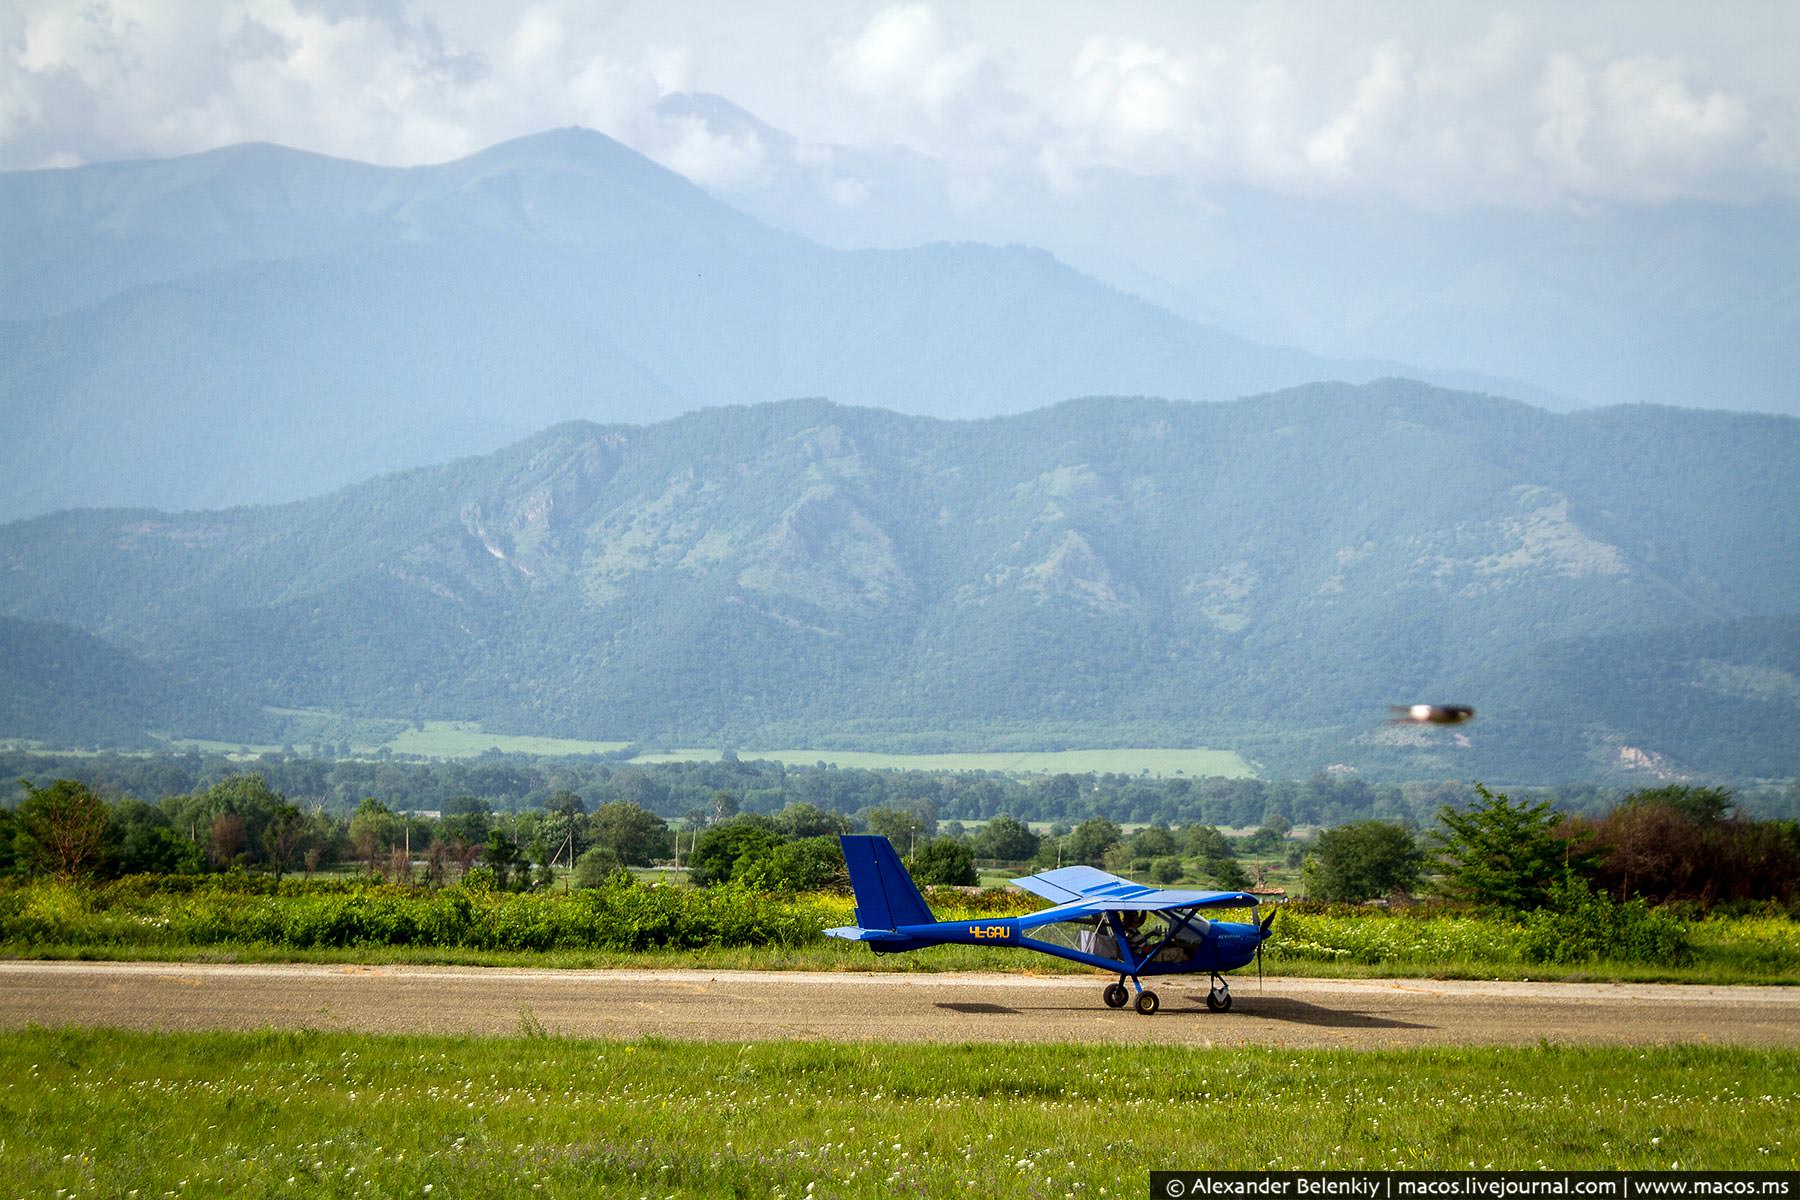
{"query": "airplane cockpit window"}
[(1164, 936), (1089, 935)]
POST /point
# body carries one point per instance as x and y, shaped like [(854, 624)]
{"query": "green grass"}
[(465, 739), (1199, 762), (847, 956), (221, 918), (106, 1112)]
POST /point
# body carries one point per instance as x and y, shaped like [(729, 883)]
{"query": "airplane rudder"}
[(886, 897), (904, 899)]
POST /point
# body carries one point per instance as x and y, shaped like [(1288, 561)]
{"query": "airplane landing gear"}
[(1147, 1003), (1115, 995), (1219, 999)]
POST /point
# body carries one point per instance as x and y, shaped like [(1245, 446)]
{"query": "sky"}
[(1442, 106)]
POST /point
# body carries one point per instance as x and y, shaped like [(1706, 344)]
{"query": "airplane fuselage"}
[(1223, 946)]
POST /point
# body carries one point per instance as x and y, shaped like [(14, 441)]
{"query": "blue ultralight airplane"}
[(1098, 919)]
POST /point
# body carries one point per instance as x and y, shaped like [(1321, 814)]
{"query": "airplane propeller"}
[(1264, 927)]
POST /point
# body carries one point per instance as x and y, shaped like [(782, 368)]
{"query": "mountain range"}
[(256, 324), (1690, 303), (1613, 590)]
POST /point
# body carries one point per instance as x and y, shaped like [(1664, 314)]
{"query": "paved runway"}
[(742, 1005)]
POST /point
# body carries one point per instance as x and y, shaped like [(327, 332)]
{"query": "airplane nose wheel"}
[(1147, 1003), (1219, 999), (1115, 995)]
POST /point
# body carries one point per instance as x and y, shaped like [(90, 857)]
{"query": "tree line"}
[(1673, 844), (680, 791)]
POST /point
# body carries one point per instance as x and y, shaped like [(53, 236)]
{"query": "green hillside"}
[(64, 687), (1264, 576)]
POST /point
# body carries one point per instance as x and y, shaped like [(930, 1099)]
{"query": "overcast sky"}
[(1444, 105)]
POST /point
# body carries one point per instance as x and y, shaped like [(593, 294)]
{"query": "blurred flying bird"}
[(1432, 714)]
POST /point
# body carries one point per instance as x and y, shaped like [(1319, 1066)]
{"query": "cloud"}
[(1629, 103), (1507, 112), (126, 78), (689, 146)]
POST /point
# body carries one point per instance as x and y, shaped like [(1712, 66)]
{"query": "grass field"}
[(635, 925), (465, 739), (1716, 964), (1199, 762), (112, 1113)]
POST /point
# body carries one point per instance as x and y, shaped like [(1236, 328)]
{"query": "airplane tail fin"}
[(886, 897)]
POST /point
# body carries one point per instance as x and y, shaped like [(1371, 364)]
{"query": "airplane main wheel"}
[(1147, 1003), (1115, 995), (1219, 1001)]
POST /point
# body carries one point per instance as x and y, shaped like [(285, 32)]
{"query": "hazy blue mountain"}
[(1692, 304), (1610, 588), (257, 324)]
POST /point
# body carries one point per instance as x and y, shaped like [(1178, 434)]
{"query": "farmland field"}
[(340, 1114), (465, 739), (1199, 762)]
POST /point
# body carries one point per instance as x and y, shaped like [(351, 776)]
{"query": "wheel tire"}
[(1219, 1001), (1115, 995), (1147, 1003)]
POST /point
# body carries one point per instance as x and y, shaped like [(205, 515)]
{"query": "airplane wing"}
[(1082, 890)]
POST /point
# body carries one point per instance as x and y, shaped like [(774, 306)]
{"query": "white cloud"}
[(707, 158), (1636, 102)]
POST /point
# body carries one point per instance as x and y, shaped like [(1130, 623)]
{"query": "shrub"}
[(1582, 925), (595, 866), (944, 861)]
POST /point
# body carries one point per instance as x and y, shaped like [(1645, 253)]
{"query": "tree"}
[(1676, 844), (597, 865), (1091, 840), (811, 864), (1499, 853), (1153, 841), (1205, 841), (9, 828), (563, 832), (502, 857), (902, 827), (1006, 840), (1362, 860), (638, 836), (801, 819), (283, 837), (247, 800), (147, 845), (730, 849), (225, 839), (62, 830), (1227, 873), (467, 817), (944, 861), (1701, 805), (724, 806), (372, 829), (1266, 840)]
